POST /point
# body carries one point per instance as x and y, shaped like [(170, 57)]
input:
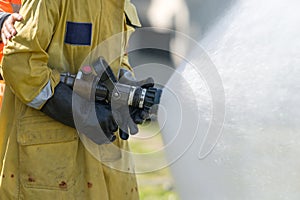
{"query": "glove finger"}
[(113, 137), (146, 83), (109, 126), (145, 115), (121, 119), (123, 129), (132, 127), (123, 132), (135, 115), (111, 123), (123, 126), (123, 135), (141, 117), (109, 134), (113, 126), (138, 119)]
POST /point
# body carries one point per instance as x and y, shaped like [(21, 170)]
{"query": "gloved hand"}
[(92, 119), (117, 92), (129, 117), (125, 77), (138, 115), (106, 119)]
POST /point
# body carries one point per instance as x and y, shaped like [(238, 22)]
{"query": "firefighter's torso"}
[(42, 158)]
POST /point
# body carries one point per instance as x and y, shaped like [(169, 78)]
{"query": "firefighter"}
[(42, 156)]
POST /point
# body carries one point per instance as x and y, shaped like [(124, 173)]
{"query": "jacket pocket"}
[(47, 153)]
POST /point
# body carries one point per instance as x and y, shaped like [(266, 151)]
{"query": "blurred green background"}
[(154, 183)]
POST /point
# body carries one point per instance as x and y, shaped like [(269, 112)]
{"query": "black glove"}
[(95, 120), (138, 115), (129, 117)]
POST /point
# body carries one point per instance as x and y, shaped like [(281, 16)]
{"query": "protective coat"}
[(42, 158)]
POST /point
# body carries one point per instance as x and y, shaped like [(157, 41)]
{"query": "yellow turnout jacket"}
[(40, 157)]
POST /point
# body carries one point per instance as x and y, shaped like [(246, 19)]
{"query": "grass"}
[(156, 185), (153, 175)]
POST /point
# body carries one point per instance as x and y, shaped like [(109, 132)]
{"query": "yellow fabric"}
[(40, 157)]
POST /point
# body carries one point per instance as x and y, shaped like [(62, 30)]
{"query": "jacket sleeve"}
[(25, 58)]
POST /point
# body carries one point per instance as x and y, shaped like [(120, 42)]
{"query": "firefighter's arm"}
[(25, 62)]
